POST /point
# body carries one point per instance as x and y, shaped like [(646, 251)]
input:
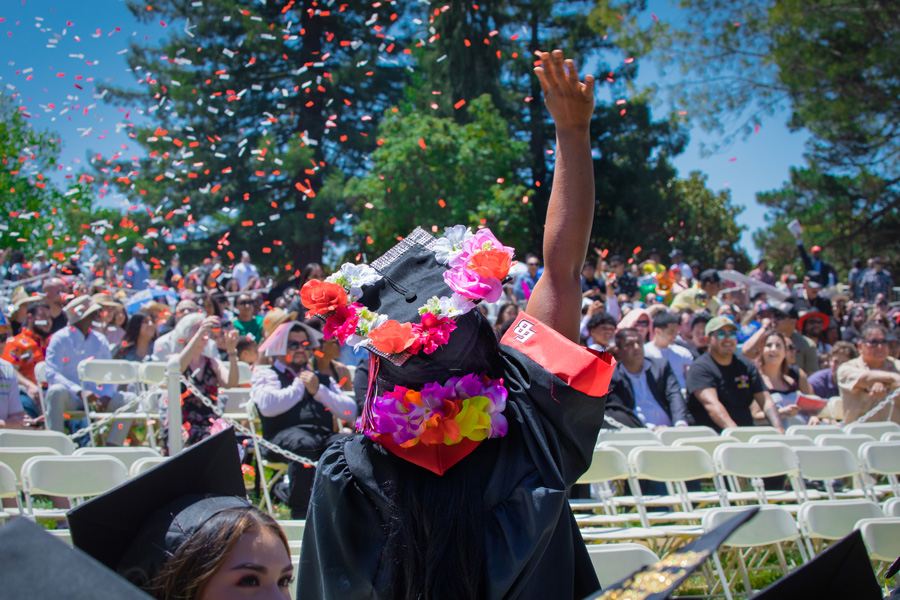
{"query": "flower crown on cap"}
[(477, 264)]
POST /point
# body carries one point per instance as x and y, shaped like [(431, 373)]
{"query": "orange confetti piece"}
[(637, 250), (422, 143), (459, 104)]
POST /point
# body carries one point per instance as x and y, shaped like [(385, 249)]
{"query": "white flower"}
[(450, 245), (353, 278), (454, 306)]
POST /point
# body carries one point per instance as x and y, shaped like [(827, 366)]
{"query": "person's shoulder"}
[(820, 374), (681, 351)]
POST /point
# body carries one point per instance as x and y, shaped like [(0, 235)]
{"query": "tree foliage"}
[(849, 216), (36, 205), (434, 172), (252, 105)]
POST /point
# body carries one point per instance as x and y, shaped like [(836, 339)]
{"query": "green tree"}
[(252, 105), (833, 65), (849, 216), (433, 172), (633, 178), (35, 204), (704, 223)]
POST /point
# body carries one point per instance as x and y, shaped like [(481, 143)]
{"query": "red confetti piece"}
[(422, 143), (459, 104)]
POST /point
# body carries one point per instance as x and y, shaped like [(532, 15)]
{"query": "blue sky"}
[(51, 47)]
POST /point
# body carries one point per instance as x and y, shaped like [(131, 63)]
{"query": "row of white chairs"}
[(816, 523), (142, 377), (729, 465), (881, 430)]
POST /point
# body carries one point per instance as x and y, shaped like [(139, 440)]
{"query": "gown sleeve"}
[(563, 385)]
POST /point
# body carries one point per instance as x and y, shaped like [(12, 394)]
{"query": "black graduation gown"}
[(534, 548)]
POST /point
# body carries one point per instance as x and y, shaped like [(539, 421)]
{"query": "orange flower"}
[(392, 337), (322, 297), (491, 263)]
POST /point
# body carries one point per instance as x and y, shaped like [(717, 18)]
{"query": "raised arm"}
[(556, 300)]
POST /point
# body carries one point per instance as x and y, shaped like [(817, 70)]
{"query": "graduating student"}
[(460, 479)]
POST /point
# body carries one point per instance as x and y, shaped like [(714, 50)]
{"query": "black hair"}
[(601, 318), (626, 332), (872, 326), (700, 318), (856, 263), (709, 276), (133, 328), (244, 343), (616, 258), (34, 307), (663, 319)]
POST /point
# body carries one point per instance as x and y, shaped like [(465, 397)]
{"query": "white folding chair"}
[(245, 372), (63, 535), (630, 434), (614, 562), (892, 507), (744, 434), (882, 538), (111, 372), (825, 464), (851, 442), (37, 439), (675, 466), (626, 446), (280, 468), (771, 526), (708, 444), (754, 462), (9, 490), (142, 465), (152, 373), (890, 437), (235, 400), (127, 454), (794, 441), (875, 429), (881, 459), (668, 435), (14, 458), (814, 431), (72, 477), (829, 520), (293, 531), (607, 464)]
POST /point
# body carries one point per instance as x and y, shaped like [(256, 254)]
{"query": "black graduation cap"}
[(33, 564), (412, 275), (659, 580), (841, 571), (135, 527)]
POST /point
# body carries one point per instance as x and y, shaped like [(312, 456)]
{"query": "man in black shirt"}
[(722, 386), (625, 282), (808, 298)]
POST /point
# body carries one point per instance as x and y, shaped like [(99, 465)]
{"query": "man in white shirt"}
[(68, 347), (245, 273), (662, 346), (300, 410), (678, 261)]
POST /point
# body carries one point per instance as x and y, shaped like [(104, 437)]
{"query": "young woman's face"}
[(258, 566), (148, 327), (774, 351), (120, 317)]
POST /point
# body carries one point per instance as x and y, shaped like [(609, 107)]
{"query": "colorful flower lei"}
[(469, 407), (477, 262)]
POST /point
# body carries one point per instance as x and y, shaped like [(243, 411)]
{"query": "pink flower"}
[(482, 240), (342, 324), (432, 333), (470, 284)]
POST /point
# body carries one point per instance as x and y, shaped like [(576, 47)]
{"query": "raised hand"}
[(570, 101)]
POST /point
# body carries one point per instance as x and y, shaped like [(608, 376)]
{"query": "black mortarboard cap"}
[(35, 565), (659, 580), (841, 571), (411, 275), (135, 527)]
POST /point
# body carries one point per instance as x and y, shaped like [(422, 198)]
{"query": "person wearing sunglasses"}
[(868, 379), (248, 322), (299, 409), (722, 386)]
